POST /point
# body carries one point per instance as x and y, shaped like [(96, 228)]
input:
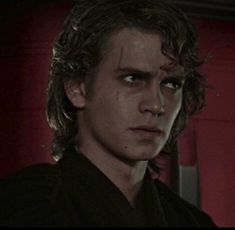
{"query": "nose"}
[(152, 102)]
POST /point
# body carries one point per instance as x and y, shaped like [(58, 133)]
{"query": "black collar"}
[(100, 202)]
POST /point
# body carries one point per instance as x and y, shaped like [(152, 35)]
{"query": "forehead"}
[(131, 47)]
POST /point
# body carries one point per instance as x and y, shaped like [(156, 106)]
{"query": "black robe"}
[(74, 193)]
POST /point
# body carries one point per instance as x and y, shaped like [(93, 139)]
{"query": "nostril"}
[(153, 109)]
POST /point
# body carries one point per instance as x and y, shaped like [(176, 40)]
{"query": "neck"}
[(126, 175)]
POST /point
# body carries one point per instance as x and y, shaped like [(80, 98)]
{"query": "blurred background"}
[(204, 170)]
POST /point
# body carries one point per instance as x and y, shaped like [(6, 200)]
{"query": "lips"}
[(147, 132)]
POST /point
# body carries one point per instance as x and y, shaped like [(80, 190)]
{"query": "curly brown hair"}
[(80, 47)]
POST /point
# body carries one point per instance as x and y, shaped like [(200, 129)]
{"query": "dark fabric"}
[(75, 193)]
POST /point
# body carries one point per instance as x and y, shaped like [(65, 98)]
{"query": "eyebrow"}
[(133, 70), (176, 74)]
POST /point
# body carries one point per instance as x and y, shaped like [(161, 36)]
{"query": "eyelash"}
[(137, 79), (140, 79), (176, 83)]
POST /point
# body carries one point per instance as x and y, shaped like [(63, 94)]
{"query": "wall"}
[(209, 140), (27, 34)]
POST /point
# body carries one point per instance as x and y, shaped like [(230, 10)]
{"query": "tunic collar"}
[(99, 202)]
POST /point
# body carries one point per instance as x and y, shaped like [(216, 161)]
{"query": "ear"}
[(76, 93)]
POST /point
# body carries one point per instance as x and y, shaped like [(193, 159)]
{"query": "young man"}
[(123, 82)]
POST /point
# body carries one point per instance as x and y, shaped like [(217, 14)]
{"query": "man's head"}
[(85, 42)]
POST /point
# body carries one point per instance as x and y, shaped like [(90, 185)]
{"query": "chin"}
[(145, 155)]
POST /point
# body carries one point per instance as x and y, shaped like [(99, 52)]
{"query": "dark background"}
[(27, 32)]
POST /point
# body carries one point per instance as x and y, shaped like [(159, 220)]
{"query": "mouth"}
[(148, 132)]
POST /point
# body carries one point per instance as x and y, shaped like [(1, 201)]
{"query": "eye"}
[(133, 78), (172, 83), (129, 78)]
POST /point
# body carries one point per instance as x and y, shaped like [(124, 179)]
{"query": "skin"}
[(133, 93)]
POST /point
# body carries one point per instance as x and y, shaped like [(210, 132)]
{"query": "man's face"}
[(135, 101)]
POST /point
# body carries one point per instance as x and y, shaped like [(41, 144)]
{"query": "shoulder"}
[(41, 176), (28, 193), (173, 203)]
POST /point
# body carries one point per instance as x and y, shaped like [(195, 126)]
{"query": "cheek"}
[(127, 107), (178, 105), (174, 107), (110, 109)]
